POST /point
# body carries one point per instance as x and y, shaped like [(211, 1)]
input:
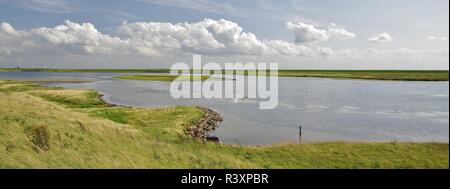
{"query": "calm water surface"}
[(327, 109)]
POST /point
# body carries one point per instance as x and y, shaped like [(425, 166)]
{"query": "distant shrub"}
[(39, 136)]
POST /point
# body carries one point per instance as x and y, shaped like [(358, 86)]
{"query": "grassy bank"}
[(402, 75), (44, 127), (373, 75)]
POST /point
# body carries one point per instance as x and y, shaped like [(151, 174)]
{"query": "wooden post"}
[(299, 133)]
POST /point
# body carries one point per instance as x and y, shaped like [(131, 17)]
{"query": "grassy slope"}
[(93, 134), (406, 75)]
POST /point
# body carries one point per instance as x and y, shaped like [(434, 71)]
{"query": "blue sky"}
[(303, 34)]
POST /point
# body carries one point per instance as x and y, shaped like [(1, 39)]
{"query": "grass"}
[(45, 128), (72, 98), (372, 75), (401, 75), (369, 75)]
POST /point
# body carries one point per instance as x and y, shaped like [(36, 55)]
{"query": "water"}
[(327, 109)]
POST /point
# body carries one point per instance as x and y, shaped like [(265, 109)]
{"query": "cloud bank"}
[(222, 39), (70, 37), (306, 33), (209, 37)]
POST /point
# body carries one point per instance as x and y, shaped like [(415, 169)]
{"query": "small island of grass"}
[(401, 75)]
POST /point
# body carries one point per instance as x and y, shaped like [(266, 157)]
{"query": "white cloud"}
[(7, 29), (286, 48), (72, 38), (209, 37), (11, 39), (306, 33), (436, 38), (380, 38)]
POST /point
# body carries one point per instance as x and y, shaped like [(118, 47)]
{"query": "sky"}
[(296, 34)]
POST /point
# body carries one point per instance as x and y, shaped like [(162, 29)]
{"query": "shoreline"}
[(205, 135), (388, 75), (148, 78)]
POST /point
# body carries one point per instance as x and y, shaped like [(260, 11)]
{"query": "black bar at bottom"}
[(228, 178)]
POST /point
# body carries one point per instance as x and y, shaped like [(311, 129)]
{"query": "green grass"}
[(372, 75), (19, 86), (401, 75), (44, 128), (73, 98)]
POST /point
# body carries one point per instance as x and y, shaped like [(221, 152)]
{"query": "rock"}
[(212, 138), (204, 126)]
